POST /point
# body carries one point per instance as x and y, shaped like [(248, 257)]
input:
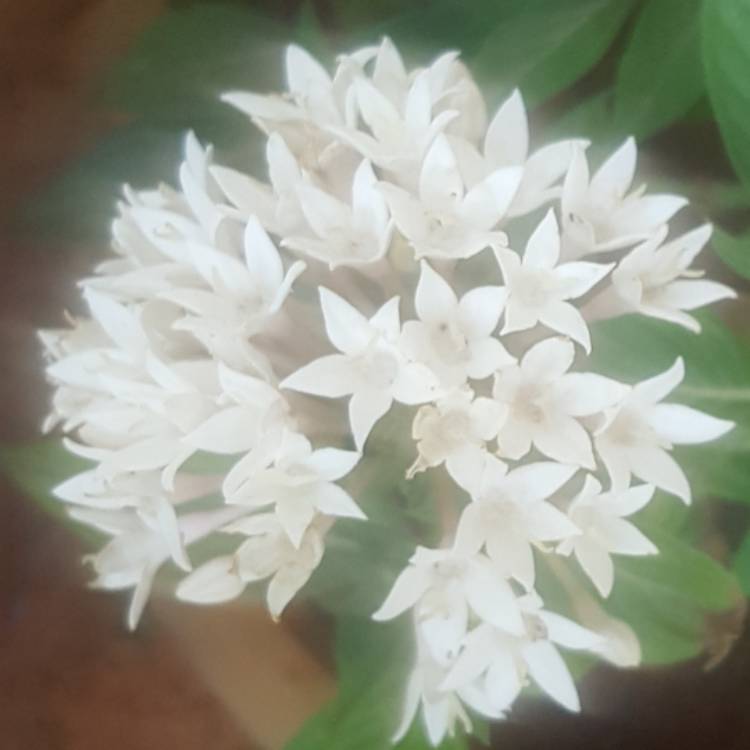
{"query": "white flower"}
[(600, 518), (509, 513), (242, 296), (638, 434), (600, 214), (454, 431), (276, 205), (655, 279), (506, 144), (255, 409), (267, 553), (453, 337), (545, 403), (369, 366), (443, 586), (345, 234), (296, 480), (539, 289), (505, 660), (444, 219)]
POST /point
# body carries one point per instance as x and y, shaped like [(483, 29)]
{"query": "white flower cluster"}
[(382, 183)]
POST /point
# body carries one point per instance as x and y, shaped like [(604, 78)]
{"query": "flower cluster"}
[(236, 314)]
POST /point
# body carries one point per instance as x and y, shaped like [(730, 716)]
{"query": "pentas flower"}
[(296, 480), (188, 384), (546, 403), (345, 234), (510, 513), (506, 145), (455, 431), (603, 530), (369, 367), (539, 289), (443, 587), (600, 214), (453, 337), (268, 552), (637, 434), (654, 279), (444, 219), (505, 660)]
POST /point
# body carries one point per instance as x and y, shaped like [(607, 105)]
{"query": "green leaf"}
[(741, 564), (543, 46), (725, 29), (665, 597), (36, 468), (372, 661), (660, 76), (734, 251), (717, 381)]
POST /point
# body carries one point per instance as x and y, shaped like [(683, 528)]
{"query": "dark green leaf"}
[(725, 32), (372, 660), (660, 76), (36, 468), (543, 46)]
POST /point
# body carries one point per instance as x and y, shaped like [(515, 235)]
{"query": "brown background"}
[(71, 677)]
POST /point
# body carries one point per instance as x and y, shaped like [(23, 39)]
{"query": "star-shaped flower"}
[(539, 287), (298, 481), (638, 434), (369, 366), (453, 337), (655, 279), (545, 404), (455, 431), (509, 513), (604, 530), (505, 660), (444, 219), (345, 234), (600, 214), (443, 586)]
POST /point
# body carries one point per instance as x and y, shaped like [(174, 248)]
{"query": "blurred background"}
[(94, 93)]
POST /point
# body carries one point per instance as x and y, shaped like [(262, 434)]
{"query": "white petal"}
[(614, 177), (263, 258), (303, 72), (347, 329), (471, 530), (492, 599), (434, 299), (656, 388), (548, 360), (332, 500), (656, 466), (503, 683), (564, 318), (543, 247), (295, 516), (630, 500), (566, 441), (622, 538), (583, 394), (689, 295), (537, 481), (284, 585), (331, 376), (232, 430), (596, 563), (440, 181), (408, 588), (365, 409), (546, 523), (479, 310), (387, 319), (581, 276), (332, 463), (568, 633), (680, 424), (486, 356), (507, 139), (549, 671), (213, 582)]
